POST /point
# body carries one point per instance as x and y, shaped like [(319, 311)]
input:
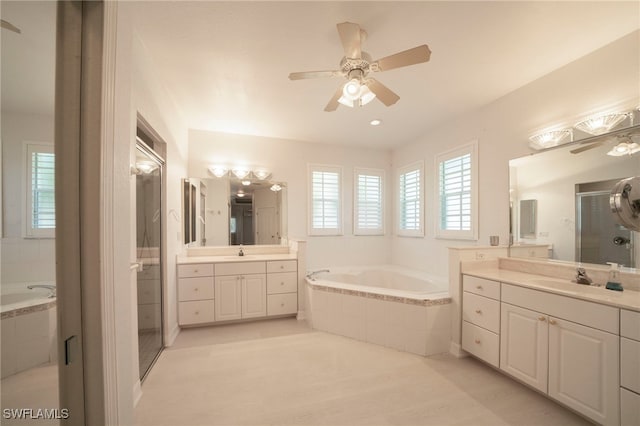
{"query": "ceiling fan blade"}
[(408, 57), (350, 35), (9, 26), (586, 147), (382, 92), (333, 103), (314, 74)]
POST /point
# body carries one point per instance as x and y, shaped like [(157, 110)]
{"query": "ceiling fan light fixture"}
[(352, 89), (602, 124), (366, 95), (549, 139), (624, 148)]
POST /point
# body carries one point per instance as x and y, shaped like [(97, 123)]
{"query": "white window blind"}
[(457, 184), (410, 201), (41, 209), (326, 193), (369, 208), (455, 193)]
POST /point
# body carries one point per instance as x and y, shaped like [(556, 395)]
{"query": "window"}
[(410, 196), (325, 200), (40, 197), (368, 214), (457, 183)]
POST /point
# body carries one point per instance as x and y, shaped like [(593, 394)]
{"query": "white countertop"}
[(187, 260), (627, 299)]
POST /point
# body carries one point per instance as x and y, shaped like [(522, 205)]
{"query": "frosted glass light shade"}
[(261, 174), (624, 148), (600, 125), (218, 171), (549, 139), (241, 173)]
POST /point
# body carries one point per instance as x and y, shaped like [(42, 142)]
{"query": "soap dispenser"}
[(613, 283)]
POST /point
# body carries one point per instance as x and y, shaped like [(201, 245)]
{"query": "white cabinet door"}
[(228, 292), (524, 345), (254, 296), (583, 370)]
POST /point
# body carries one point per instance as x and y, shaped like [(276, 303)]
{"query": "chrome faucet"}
[(312, 274), (241, 252), (582, 277), (51, 288)]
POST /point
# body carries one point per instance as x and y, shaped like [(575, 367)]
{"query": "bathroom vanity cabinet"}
[(236, 290), (629, 367), (565, 347)]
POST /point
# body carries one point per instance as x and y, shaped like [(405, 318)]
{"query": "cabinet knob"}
[(542, 318), (477, 341), (479, 287), (552, 322), (195, 270), (197, 312), (282, 283), (282, 304), (195, 289), (281, 266), (478, 311)]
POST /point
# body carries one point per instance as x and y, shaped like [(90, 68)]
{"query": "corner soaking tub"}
[(387, 305), (29, 326)]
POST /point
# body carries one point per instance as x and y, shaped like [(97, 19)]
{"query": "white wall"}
[(288, 161), (604, 78), (23, 259)]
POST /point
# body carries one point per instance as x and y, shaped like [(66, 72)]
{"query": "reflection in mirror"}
[(231, 211), (572, 186), (528, 218)]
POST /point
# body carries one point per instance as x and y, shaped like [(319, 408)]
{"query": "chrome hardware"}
[(552, 322), (311, 275), (479, 287), (477, 341), (542, 318), (582, 277), (478, 311), (51, 288)]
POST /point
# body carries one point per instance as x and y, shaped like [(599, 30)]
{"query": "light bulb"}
[(351, 89)]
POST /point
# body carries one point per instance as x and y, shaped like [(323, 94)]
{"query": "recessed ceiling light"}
[(375, 122)]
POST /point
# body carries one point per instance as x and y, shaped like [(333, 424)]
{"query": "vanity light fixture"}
[(241, 172), (624, 148), (550, 138), (602, 124), (246, 182), (375, 122), (218, 171), (240, 194), (145, 167), (261, 174), (276, 187)]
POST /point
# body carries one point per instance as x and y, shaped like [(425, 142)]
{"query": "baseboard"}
[(172, 335), (456, 350), (137, 393)]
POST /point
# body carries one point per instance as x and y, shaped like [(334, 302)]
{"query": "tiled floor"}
[(281, 373), (36, 388)]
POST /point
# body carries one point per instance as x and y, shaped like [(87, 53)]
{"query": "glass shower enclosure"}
[(149, 169)]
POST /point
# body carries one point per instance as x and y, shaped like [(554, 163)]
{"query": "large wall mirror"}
[(228, 211), (571, 185)]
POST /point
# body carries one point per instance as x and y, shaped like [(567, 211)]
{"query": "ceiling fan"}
[(356, 65)]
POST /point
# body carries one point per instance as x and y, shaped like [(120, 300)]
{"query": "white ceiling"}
[(225, 64)]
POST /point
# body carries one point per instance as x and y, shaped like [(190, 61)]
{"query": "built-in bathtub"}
[(387, 305), (29, 332)]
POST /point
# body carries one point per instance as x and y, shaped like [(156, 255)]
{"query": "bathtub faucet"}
[(51, 288), (312, 275)]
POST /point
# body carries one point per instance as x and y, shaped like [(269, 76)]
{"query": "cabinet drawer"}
[(196, 270), (481, 311), (630, 324), (629, 408), (240, 268), (282, 282), (282, 266), (481, 286), (196, 312), (481, 343), (590, 314), (199, 288), (630, 364), (281, 304)]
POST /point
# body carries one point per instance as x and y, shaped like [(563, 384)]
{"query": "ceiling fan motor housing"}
[(356, 67)]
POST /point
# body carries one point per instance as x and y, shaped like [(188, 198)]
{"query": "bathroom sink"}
[(569, 285), (238, 257)]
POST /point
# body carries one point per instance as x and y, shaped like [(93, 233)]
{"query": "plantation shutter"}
[(455, 193), (325, 201), (369, 207), (410, 200)]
